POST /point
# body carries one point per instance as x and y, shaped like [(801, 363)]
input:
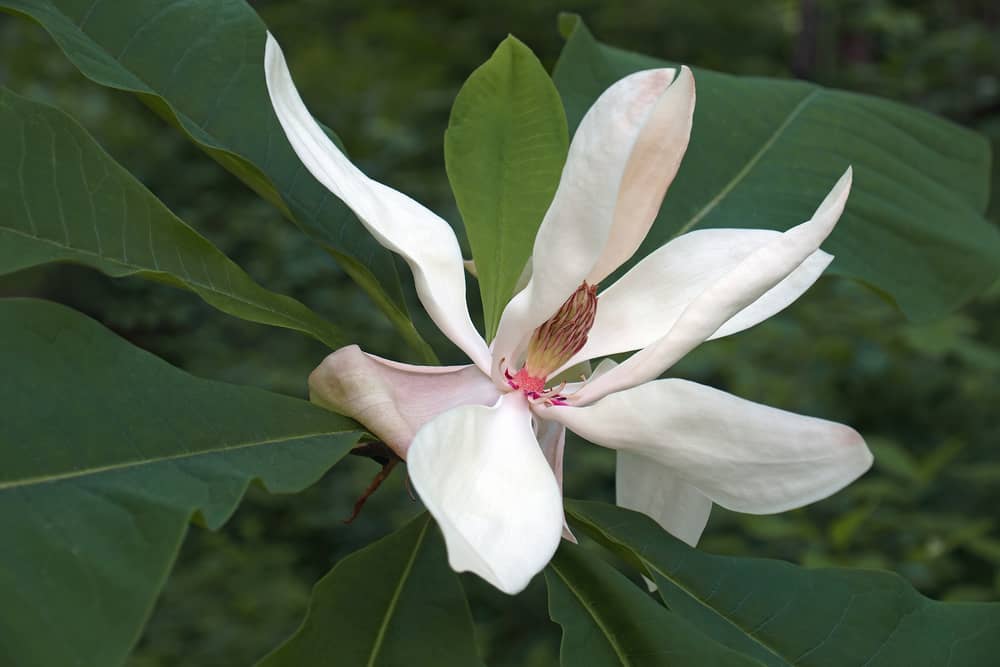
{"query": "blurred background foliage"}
[(384, 74)]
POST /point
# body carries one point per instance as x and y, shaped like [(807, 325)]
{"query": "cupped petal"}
[(391, 399), (720, 301), (642, 306), (742, 455), (643, 485), (621, 160), (400, 224), (481, 474)]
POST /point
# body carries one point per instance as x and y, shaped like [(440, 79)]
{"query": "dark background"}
[(383, 75)]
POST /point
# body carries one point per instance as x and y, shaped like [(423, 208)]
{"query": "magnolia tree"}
[(620, 213)]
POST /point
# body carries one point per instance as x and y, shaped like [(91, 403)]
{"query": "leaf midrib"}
[(750, 164), (394, 600), (124, 465), (181, 115), (687, 591), (612, 640), (188, 279)]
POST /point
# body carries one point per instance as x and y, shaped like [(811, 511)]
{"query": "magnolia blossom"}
[(484, 442)]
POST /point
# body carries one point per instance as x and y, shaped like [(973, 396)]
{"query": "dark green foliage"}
[(764, 152), (608, 621), (64, 200), (924, 396), (94, 510), (784, 615), (395, 602)]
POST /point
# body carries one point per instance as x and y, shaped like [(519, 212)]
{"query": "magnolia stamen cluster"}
[(554, 343)]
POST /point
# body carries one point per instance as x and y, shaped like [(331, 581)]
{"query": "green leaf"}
[(395, 602), (764, 153), (607, 620), (504, 151), (782, 614), (62, 198), (199, 65), (106, 452)]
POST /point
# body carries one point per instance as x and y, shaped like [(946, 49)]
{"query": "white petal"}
[(552, 441), (397, 222), (391, 399), (643, 485), (743, 455), (646, 302), (655, 158), (778, 297), (482, 475), (719, 302), (620, 162)]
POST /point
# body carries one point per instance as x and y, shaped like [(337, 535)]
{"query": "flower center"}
[(554, 343)]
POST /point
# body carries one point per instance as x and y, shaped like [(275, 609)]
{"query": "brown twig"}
[(373, 487)]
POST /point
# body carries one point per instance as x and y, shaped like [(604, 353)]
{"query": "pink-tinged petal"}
[(552, 441), (655, 158), (737, 289), (481, 474), (391, 399), (621, 160), (643, 485), (643, 305), (397, 222), (742, 455)]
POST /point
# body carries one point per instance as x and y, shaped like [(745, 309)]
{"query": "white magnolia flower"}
[(484, 442)]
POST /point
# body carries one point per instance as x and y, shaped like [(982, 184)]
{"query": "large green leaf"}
[(504, 150), (200, 66), (764, 152), (608, 622), (105, 453), (781, 614), (395, 602), (62, 198)]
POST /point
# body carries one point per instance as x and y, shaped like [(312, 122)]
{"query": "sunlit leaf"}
[(63, 199), (781, 614), (395, 602), (106, 452), (764, 152), (504, 149)]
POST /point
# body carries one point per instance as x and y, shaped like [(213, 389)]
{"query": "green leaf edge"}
[(497, 289), (255, 179)]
